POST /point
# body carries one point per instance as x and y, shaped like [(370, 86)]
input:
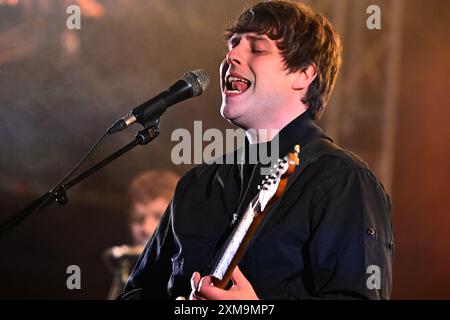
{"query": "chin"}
[(226, 111), (231, 109), (234, 113)]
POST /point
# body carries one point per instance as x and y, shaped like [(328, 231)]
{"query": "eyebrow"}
[(251, 38), (256, 38)]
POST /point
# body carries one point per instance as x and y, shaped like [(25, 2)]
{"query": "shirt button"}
[(371, 231), (391, 244)]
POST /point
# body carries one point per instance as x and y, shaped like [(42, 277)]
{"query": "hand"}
[(203, 289)]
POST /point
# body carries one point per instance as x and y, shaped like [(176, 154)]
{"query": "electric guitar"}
[(271, 189)]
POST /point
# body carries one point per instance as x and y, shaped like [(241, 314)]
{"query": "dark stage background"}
[(60, 88)]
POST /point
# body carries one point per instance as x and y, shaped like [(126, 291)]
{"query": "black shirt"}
[(331, 229)]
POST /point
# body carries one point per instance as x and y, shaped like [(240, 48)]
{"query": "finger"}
[(210, 292), (194, 296), (238, 277), (195, 279)]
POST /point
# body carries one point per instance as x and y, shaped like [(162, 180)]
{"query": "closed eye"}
[(257, 50)]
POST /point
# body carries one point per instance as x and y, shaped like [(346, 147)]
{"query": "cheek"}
[(135, 229), (151, 223), (269, 73), (268, 86), (275, 85)]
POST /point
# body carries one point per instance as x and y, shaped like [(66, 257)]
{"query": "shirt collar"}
[(302, 130)]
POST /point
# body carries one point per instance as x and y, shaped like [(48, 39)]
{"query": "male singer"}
[(330, 237)]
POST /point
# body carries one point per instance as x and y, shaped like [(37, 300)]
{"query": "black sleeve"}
[(151, 274), (350, 251)]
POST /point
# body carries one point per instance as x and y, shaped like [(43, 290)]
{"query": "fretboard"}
[(234, 241)]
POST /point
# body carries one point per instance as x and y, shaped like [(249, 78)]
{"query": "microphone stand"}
[(143, 137)]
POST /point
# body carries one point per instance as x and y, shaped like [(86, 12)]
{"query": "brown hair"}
[(152, 184), (304, 37)]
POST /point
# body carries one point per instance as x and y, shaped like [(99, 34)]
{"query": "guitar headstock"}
[(274, 185)]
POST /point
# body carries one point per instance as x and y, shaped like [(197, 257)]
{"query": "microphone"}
[(192, 84)]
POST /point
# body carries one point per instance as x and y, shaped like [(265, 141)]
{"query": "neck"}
[(255, 136), (263, 132)]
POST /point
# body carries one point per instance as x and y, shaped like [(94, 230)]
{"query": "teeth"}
[(231, 87), (231, 79)]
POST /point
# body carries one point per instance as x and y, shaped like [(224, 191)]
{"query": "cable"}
[(36, 205)]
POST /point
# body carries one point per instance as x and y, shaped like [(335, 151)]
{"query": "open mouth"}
[(235, 84)]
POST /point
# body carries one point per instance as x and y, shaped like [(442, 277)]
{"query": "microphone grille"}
[(198, 79)]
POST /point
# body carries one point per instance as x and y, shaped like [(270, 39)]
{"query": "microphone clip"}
[(150, 131)]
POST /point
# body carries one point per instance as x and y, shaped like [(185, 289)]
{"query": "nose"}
[(233, 56)]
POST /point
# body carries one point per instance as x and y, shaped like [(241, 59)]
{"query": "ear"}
[(304, 78)]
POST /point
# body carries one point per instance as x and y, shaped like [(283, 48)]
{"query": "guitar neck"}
[(271, 189), (234, 248)]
